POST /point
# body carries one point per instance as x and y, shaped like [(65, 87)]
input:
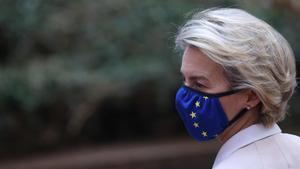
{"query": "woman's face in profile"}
[(203, 74)]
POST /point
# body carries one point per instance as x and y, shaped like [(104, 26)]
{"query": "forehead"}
[(197, 64)]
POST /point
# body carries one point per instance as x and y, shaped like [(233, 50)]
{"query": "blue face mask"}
[(202, 113)]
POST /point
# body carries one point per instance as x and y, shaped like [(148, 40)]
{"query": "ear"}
[(252, 99)]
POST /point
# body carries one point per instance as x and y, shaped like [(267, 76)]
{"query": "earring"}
[(248, 107)]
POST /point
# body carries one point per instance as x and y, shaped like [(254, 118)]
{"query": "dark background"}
[(92, 72)]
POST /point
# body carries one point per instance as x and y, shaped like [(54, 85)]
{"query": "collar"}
[(245, 137)]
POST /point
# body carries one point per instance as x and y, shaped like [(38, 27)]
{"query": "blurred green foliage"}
[(87, 71)]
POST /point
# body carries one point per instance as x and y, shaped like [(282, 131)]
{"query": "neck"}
[(249, 118)]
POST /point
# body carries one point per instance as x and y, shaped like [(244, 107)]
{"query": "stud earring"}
[(248, 107)]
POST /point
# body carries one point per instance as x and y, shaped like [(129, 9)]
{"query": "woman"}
[(239, 74)]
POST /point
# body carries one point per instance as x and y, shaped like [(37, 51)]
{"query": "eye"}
[(199, 85)]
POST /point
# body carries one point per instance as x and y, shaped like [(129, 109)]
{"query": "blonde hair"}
[(253, 54)]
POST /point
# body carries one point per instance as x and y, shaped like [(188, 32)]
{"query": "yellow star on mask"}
[(193, 115), (196, 125), (205, 97), (204, 133), (197, 104)]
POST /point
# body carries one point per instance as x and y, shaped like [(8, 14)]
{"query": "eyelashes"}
[(193, 83), (199, 85)]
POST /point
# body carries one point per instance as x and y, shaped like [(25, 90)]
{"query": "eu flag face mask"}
[(202, 113)]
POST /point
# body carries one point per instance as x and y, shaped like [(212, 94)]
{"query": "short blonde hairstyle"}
[(253, 54)]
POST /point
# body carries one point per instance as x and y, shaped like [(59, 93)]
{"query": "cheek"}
[(231, 105)]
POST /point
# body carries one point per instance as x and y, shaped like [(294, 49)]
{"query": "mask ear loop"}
[(239, 115)]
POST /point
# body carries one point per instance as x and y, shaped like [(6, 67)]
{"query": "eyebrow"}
[(196, 76)]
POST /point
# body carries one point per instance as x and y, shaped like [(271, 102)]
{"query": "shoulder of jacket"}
[(285, 148), (246, 157)]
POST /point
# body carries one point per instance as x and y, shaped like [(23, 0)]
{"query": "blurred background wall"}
[(92, 72)]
